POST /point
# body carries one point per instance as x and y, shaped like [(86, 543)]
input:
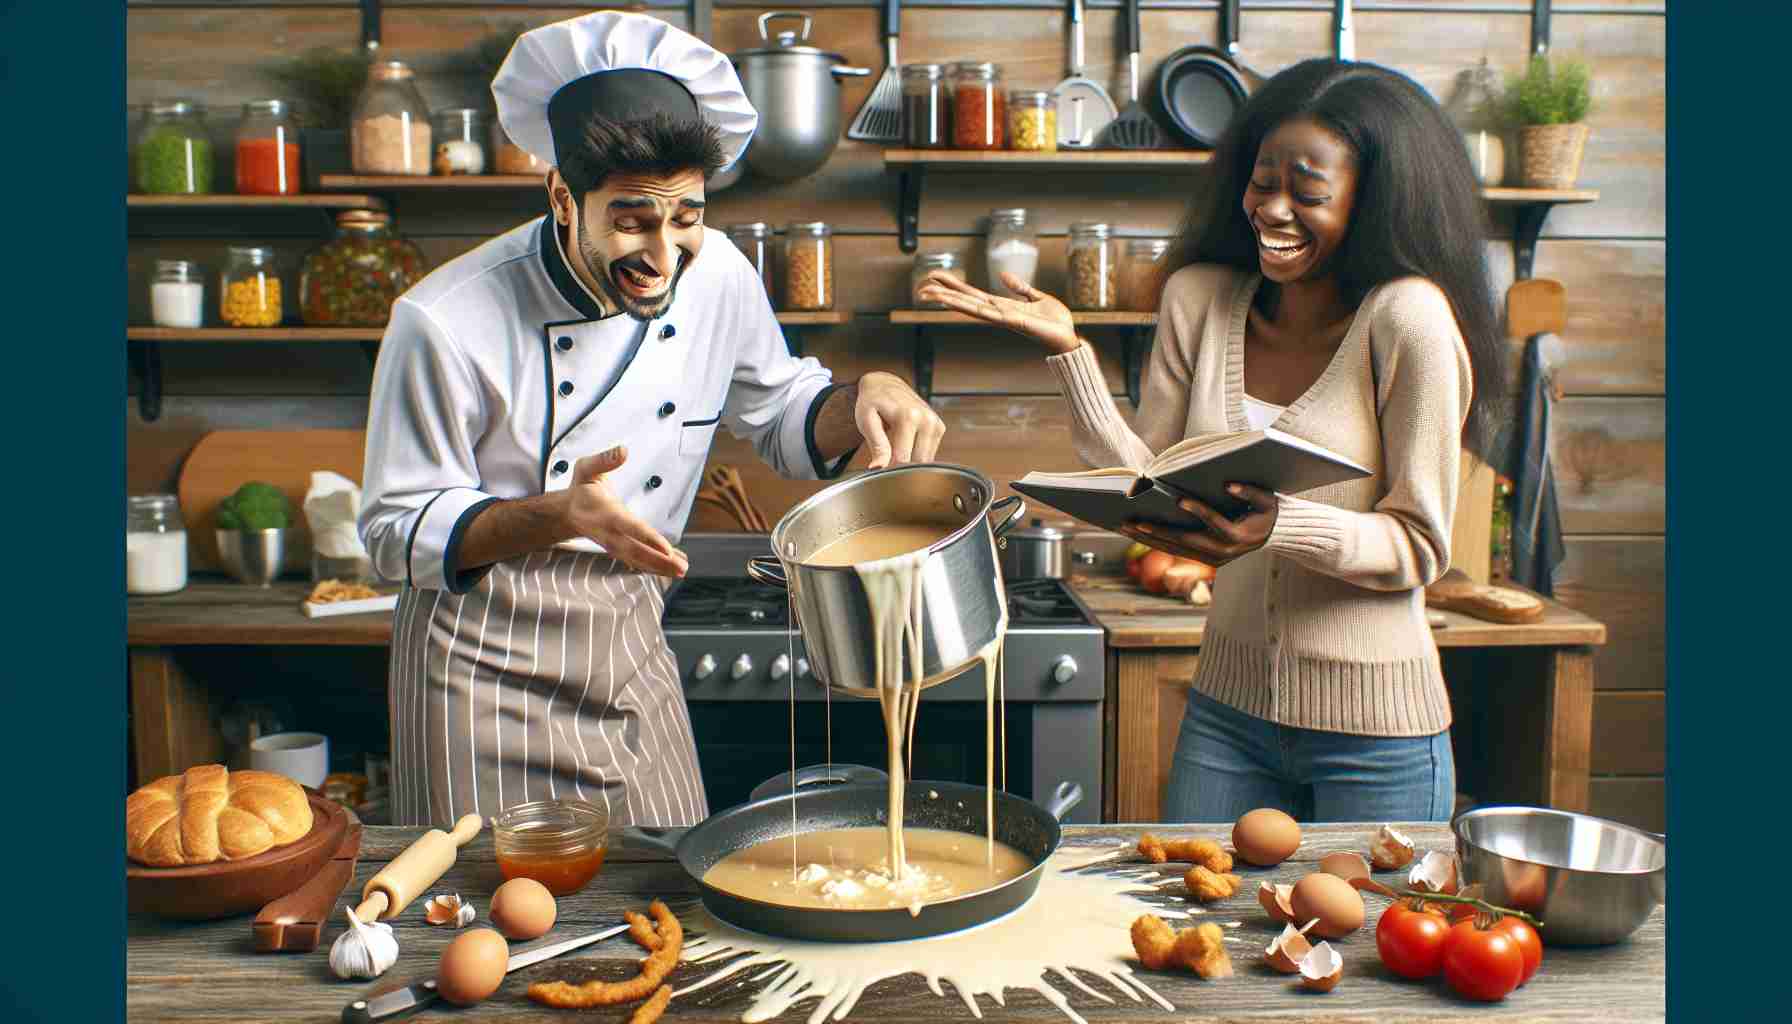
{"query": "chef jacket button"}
[(565, 343), (565, 388), (653, 482), (668, 409), (560, 467), (667, 332)]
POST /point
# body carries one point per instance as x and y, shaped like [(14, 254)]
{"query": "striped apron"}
[(549, 679)]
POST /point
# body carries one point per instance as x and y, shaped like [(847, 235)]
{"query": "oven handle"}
[(768, 570)]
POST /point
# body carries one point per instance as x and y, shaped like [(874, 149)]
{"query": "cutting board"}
[(1536, 306), (294, 923), (224, 460)]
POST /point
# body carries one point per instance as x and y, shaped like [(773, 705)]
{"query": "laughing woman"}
[(1332, 282)]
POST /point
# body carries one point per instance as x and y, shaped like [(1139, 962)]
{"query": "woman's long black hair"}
[(1418, 208)]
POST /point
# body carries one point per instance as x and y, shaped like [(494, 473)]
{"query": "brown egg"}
[(1265, 837), (1330, 899), (472, 967), (523, 909)]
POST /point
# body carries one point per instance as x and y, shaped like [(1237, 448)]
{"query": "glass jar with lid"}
[(352, 280), (1013, 248), (155, 545), (926, 263), (390, 132), (267, 150), (926, 109), (460, 141), (755, 243), (979, 107), (249, 288), (174, 149), (177, 294), (510, 158), (1032, 121), (1141, 271), (1094, 276), (808, 267)]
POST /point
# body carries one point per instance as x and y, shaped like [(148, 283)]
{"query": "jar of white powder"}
[(1013, 249), (177, 294), (155, 545)]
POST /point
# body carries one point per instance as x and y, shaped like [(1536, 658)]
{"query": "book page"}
[(1308, 446), (1197, 449), (1114, 479)]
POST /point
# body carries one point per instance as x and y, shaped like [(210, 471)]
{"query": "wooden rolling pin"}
[(415, 870)]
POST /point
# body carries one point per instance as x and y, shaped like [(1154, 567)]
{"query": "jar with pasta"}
[(250, 288), (390, 131), (808, 267), (926, 107), (979, 107), (925, 264), (1141, 273), (353, 280), (1094, 277), (755, 243), (1032, 121)]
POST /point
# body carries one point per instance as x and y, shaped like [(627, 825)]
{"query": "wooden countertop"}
[(179, 971), (1133, 618)]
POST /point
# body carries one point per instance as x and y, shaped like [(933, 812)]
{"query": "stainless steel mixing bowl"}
[(1591, 881)]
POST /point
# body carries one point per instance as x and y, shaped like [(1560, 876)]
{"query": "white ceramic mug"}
[(303, 757)]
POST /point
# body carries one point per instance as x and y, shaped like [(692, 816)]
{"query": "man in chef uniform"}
[(540, 417)]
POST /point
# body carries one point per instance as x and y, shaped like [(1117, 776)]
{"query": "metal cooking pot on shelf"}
[(1035, 552), (796, 90), (961, 584)]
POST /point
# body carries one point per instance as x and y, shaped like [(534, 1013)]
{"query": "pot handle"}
[(1019, 507), (766, 18), (833, 774), (767, 570), (1064, 799), (651, 838), (848, 71)]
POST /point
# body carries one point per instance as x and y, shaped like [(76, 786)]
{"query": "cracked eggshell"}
[(1436, 872), (1390, 850), (1275, 901), (447, 909), (1347, 865), (1286, 950), (1321, 968)]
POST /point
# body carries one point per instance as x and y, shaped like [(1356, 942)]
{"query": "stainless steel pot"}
[(1035, 552), (961, 585), (1591, 881), (796, 90)]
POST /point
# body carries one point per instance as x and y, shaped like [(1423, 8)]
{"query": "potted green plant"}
[(1549, 103), (325, 83)]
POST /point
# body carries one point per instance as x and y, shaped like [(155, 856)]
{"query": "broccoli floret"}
[(255, 506), (227, 517)]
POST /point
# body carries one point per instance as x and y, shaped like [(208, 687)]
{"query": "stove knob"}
[(802, 668), (742, 666), (780, 666), (705, 667), (1064, 669)]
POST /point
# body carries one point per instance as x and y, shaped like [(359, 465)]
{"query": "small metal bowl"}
[(254, 557), (1591, 881)]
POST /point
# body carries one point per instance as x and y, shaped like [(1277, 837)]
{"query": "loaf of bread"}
[(1458, 593), (210, 813)]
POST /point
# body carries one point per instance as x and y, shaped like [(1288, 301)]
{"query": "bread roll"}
[(211, 813)]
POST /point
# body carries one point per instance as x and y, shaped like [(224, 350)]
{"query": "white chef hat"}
[(623, 66)]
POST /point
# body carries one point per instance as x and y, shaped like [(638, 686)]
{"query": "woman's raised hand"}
[(1035, 314)]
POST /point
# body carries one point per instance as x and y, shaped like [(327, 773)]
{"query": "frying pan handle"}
[(653, 838), (1020, 509), (1064, 799), (767, 570), (1229, 27), (836, 774)]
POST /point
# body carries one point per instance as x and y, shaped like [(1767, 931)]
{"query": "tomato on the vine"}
[(1411, 942), (1528, 943), (1482, 963)]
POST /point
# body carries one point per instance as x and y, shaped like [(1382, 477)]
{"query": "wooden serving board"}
[(224, 460), (294, 923)]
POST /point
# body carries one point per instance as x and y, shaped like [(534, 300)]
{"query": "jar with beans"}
[(174, 150), (808, 267), (250, 288), (267, 150), (1094, 276), (979, 107), (353, 280), (926, 107), (1140, 274), (925, 264), (1032, 121), (460, 141), (755, 243)]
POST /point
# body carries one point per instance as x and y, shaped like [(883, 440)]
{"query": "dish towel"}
[(1536, 521)]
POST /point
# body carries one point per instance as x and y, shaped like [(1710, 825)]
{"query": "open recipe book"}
[(1199, 467)]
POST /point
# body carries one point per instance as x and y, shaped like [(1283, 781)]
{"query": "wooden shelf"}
[(828, 319), (1064, 159), (254, 334), (226, 201), (947, 317), (420, 182), (1540, 195)]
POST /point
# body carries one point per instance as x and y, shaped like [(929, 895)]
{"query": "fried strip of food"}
[(641, 930), (1154, 941), (654, 970), (650, 1011), (1202, 950), (1208, 886), (1204, 852)]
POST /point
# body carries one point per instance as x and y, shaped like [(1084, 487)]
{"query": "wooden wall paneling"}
[(1622, 582), (1616, 337), (1642, 802), (1630, 731), (173, 714), (1610, 461)]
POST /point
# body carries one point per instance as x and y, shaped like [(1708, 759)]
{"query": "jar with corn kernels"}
[(808, 267), (249, 288), (1032, 121)]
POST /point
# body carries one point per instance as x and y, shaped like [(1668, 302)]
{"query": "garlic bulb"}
[(365, 950)]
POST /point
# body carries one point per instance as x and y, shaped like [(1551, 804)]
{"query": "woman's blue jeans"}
[(1228, 762)]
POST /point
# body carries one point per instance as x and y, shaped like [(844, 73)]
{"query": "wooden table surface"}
[(218, 610), (207, 972)]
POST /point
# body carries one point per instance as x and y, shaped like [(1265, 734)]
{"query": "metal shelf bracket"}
[(793, 340), (1138, 349), (908, 213), (924, 363), (1527, 226), (371, 350), (146, 359), (1539, 27)]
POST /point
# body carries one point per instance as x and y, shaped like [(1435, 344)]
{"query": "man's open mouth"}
[(638, 284)]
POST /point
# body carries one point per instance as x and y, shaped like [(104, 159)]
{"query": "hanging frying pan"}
[(1198, 89)]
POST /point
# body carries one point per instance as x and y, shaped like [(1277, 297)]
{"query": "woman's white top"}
[(1261, 414)]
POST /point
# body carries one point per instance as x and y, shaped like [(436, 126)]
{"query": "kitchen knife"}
[(401, 1001)]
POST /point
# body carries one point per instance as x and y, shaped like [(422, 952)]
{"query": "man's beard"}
[(594, 265)]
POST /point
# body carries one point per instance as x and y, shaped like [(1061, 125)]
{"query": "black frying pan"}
[(1032, 830), (1198, 89)]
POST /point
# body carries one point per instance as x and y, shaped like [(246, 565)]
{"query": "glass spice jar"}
[(1032, 121), (352, 280), (979, 107), (459, 141), (1140, 270), (926, 110), (808, 267), (510, 158), (390, 133), (1094, 277), (560, 843), (925, 264), (755, 243), (267, 150), (249, 288), (177, 294), (174, 150), (155, 545), (1013, 248)]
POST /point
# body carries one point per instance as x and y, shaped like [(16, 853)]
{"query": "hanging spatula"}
[(1084, 107), (880, 117), (1134, 128)]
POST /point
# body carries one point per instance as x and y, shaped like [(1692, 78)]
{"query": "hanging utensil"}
[(1200, 88), (1084, 107), (1345, 48), (880, 117), (1135, 128)]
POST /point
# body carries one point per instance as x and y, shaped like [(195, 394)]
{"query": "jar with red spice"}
[(979, 107), (353, 280), (267, 150)]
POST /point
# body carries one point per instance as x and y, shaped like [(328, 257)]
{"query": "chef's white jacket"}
[(498, 371)]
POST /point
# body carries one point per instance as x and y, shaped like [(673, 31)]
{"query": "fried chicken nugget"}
[(641, 930), (1204, 852), (650, 1011), (654, 969), (1208, 886), (1154, 941), (1202, 950)]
